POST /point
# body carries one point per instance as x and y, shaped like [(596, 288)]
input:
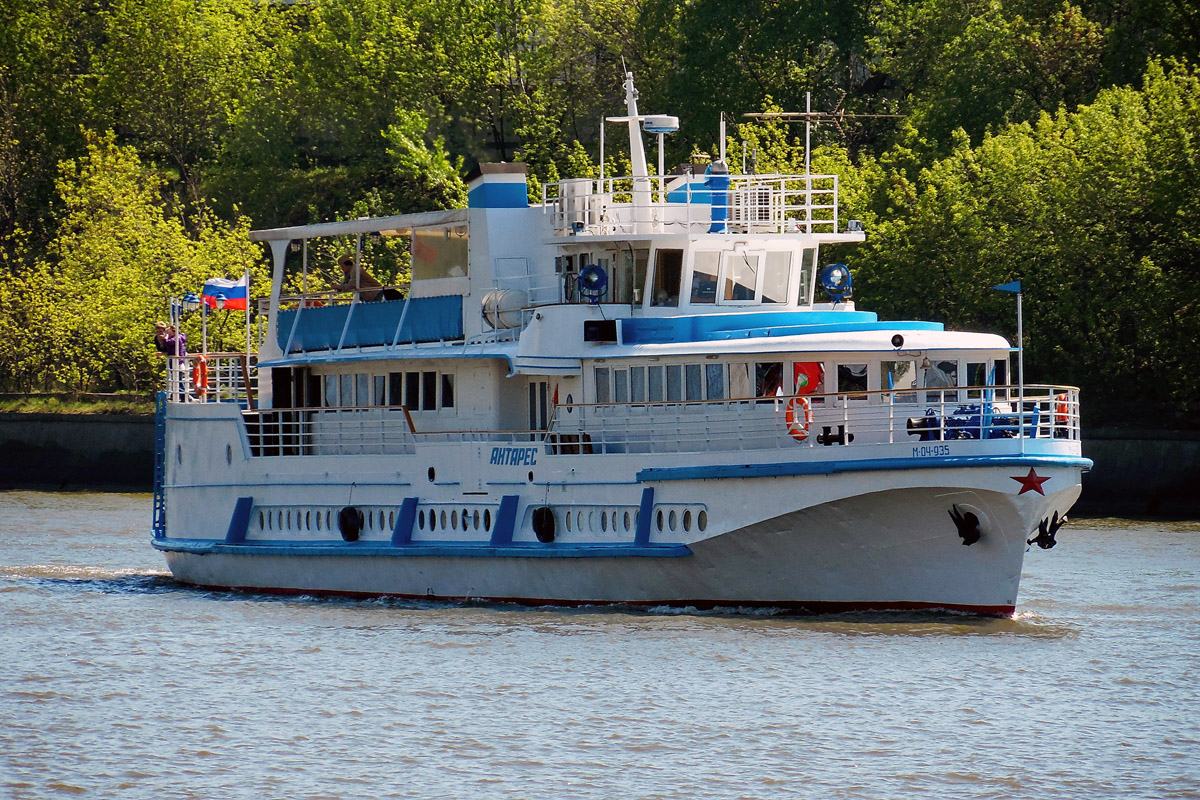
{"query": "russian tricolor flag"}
[(236, 293)]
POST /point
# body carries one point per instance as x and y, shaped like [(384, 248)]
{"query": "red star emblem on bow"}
[(1030, 483)]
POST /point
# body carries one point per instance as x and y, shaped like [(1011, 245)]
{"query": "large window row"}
[(715, 380)]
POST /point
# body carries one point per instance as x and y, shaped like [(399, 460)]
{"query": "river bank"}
[(1148, 473)]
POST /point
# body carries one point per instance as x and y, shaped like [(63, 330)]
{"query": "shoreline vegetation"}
[(75, 403), (1048, 141)]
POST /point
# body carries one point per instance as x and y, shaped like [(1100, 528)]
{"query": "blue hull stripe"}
[(239, 521), (402, 535), (506, 519), (787, 469), (641, 537), (456, 550)]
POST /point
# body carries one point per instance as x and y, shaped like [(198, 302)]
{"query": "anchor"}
[(967, 524), (1046, 530)]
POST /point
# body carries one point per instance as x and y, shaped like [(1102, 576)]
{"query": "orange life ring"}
[(200, 375), (798, 429), (1062, 411)]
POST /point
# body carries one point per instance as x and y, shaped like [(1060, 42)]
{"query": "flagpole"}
[(1021, 371), (247, 279)]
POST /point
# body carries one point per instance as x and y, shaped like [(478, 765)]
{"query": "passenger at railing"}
[(160, 338), (175, 348), (357, 279)]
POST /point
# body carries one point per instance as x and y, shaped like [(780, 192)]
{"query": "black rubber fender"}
[(543, 524), (350, 522)]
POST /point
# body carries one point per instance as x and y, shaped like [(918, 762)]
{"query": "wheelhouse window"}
[(852, 378), (741, 277), (705, 265), (808, 261), (776, 273), (899, 377), (420, 391), (668, 276), (439, 252)]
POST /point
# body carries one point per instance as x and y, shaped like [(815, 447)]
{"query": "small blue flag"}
[(1015, 286)]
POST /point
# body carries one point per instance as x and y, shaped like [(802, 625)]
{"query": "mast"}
[(637, 158)]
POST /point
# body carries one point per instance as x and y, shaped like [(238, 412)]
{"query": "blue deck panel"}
[(718, 327)]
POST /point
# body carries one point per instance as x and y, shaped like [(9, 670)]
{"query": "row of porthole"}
[(578, 520), (626, 520), (468, 519), (321, 519)]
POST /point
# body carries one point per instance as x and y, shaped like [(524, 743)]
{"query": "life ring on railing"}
[(200, 375), (1062, 411), (798, 429)]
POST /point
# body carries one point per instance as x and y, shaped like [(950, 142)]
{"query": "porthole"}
[(604, 521), (228, 454), (370, 518), (531, 476), (660, 519), (443, 519), (433, 520), (279, 520), (328, 526), (260, 519), (475, 520), (626, 521), (569, 516), (421, 520), (391, 520), (671, 520), (613, 517), (579, 521), (487, 519), (702, 520), (432, 474), (466, 519), (318, 520), (454, 520), (687, 520), (591, 521), (308, 520), (270, 521), (289, 519)]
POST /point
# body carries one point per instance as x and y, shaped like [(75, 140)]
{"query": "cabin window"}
[(674, 383), (808, 261), (362, 388), (976, 375), (347, 395), (439, 252), (429, 391), (899, 376), (940, 374), (620, 386), (447, 390), (1000, 368), (331, 391), (768, 379), (603, 389), (714, 375), (852, 378), (704, 276), (396, 388), (412, 390), (668, 275), (739, 380), (539, 407), (776, 272), (380, 383), (654, 382), (637, 384), (741, 277), (418, 390), (693, 384)]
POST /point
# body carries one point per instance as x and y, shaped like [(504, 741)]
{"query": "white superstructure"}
[(627, 393)]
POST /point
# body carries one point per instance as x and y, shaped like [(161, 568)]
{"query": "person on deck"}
[(357, 279)]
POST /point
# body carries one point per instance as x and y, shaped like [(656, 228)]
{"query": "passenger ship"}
[(641, 390)]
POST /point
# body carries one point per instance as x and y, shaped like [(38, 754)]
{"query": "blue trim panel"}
[(405, 520), (429, 319), (239, 521), (506, 194), (506, 519), (788, 469), (375, 549), (719, 327), (641, 536)]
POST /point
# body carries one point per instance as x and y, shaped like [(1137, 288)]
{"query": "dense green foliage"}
[(1052, 141)]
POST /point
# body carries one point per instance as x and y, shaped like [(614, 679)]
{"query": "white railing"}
[(212, 378), (748, 424), (683, 203)]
